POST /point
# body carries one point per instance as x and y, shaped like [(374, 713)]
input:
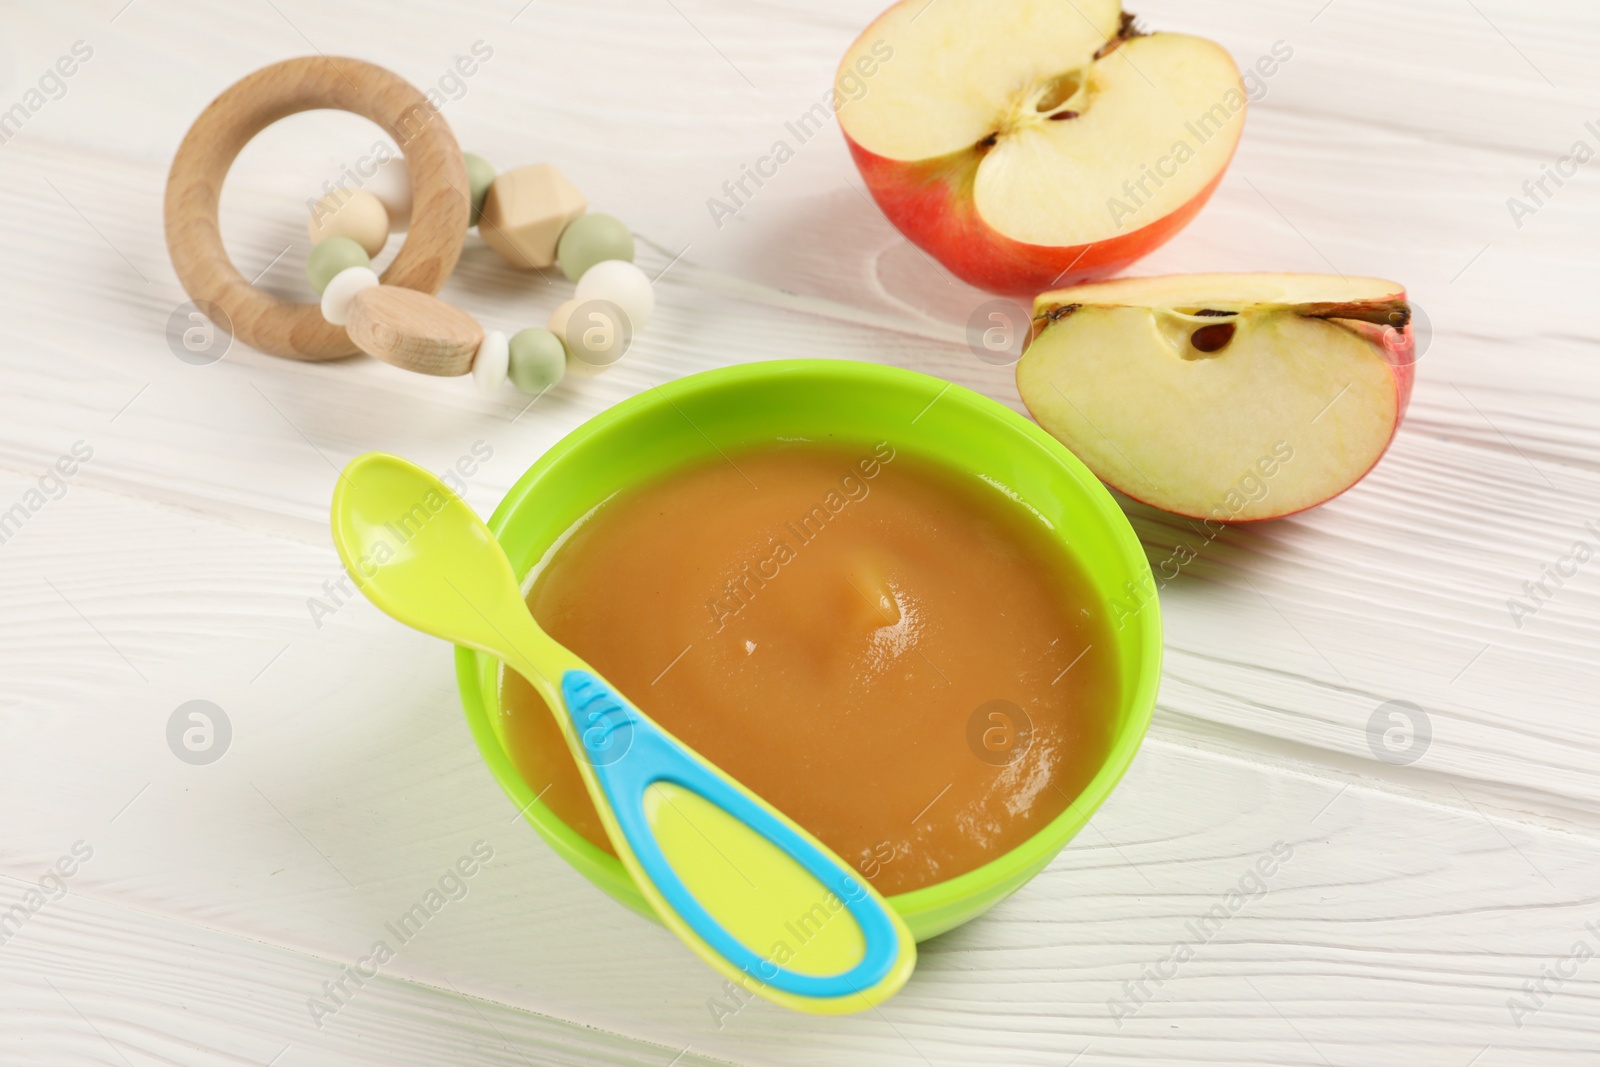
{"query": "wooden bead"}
[(524, 213), (414, 330), (194, 188)]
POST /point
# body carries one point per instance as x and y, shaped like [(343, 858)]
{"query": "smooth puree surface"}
[(898, 657)]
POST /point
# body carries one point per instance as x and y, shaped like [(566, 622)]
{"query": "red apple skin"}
[(1399, 349), (930, 202)]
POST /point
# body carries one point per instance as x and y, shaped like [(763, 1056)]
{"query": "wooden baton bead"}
[(441, 204), (413, 330)]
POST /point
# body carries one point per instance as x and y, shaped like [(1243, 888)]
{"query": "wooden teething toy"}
[(194, 187), (531, 216)]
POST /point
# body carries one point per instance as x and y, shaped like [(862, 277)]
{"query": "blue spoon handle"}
[(628, 753)]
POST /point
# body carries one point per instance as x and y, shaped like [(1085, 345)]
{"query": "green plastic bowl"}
[(736, 408)]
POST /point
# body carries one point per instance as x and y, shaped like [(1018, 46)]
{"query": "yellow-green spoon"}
[(752, 893)]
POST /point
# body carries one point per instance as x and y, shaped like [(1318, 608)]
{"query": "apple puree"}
[(896, 656)]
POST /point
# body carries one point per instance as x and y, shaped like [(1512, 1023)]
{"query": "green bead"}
[(538, 359), (591, 239), (330, 256), (480, 175)]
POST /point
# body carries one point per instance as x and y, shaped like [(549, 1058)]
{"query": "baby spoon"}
[(757, 897)]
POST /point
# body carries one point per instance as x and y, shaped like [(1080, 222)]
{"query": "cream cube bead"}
[(355, 214), (524, 213)]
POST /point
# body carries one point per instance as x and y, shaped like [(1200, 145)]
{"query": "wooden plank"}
[(341, 801), (1421, 901)]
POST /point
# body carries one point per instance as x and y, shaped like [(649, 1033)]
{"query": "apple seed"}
[(1212, 338)]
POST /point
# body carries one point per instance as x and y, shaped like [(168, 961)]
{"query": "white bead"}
[(343, 289), (493, 360), (623, 284), (392, 186)]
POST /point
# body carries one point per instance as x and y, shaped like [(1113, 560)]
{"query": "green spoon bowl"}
[(840, 402)]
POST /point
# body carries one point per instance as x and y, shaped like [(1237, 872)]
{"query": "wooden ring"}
[(440, 213)]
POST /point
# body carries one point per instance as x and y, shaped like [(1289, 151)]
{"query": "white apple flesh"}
[(1231, 397)]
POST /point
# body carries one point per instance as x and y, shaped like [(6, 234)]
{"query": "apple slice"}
[(1232, 397), (1036, 143)]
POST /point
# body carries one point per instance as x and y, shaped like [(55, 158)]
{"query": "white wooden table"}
[(1422, 902)]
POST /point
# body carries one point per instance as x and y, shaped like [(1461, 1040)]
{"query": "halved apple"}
[(1232, 397), (1036, 143)]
